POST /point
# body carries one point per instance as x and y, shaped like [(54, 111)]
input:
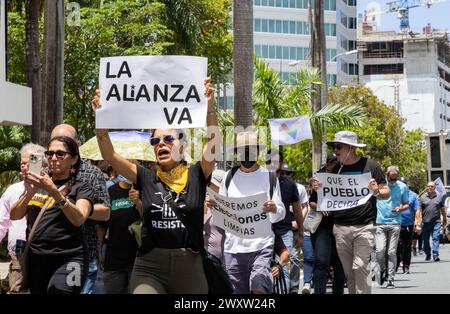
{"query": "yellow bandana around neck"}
[(176, 178)]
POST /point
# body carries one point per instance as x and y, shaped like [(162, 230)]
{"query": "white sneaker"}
[(306, 288)]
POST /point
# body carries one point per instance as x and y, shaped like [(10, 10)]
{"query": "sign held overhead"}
[(152, 92)]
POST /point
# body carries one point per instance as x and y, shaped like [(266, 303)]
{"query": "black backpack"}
[(272, 179)]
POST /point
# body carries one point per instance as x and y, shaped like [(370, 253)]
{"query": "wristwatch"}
[(61, 203)]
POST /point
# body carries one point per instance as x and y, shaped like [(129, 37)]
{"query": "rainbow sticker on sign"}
[(292, 133)]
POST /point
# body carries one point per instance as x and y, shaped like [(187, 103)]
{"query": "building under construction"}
[(410, 71)]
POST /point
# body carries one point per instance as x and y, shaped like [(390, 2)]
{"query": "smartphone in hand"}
[(36, 163)]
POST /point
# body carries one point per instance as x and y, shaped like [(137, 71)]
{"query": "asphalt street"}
[(426, 277)]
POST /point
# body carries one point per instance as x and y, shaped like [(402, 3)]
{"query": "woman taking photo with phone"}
[(57, 259), (168, 260)]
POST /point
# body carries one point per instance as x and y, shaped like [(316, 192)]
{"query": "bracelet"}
[(63, 202), (279, 266)]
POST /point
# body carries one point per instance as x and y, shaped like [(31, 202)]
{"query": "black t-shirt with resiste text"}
[(55, 234), (121, 247), (161, 227), (366, 213)]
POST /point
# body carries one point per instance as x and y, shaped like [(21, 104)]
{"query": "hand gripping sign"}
[(241, 216), (338, 192), (141, 92)]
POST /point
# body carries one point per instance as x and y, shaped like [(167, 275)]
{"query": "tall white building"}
[(282, 36), (15, 104), (410, 72)]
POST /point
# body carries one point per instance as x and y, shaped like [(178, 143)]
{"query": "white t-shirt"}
[(447, 206), (16, 229), (303, 196), (245, 184), (302, 193)]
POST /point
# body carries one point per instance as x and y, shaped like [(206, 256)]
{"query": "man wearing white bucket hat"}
[(354, 227), (248, 260)]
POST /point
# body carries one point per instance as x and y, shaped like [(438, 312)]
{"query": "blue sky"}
[(437, 15)]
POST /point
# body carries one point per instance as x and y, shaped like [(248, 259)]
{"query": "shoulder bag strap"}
[(230, 176), (38, 219), (272, 182), (175, 209)]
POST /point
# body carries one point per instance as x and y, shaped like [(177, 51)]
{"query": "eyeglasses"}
[(60, 154), (168, 139)]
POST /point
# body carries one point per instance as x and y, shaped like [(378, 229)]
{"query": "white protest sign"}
[(143, 92), (242, 216), (440, 189), (338, 192)]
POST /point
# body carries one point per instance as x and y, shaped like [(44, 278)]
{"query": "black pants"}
[(404, 246), (57, 274), (116, 281), (325, 254)]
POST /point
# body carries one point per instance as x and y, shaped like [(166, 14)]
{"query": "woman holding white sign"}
[(168, 261)]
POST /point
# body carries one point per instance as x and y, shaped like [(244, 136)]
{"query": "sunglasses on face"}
[(168, 139), (338, 146), (285, 173), (60, 154)]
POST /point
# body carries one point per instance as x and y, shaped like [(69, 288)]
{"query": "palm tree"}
[(184, 19), (273, 98), (318, 60), (53, 68), (32, 8), (243, 61)]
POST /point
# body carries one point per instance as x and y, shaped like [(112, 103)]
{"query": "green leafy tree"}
[(274, 98), (116, 28), (11, 140), (215, 41), (201, 28), (16, 48), (383, 133), (184, 18)]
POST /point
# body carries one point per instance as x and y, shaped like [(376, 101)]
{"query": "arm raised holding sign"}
[(209, 152), (172, 199), (169, 144)]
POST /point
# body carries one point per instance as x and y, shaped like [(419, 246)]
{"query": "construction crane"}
[(402, 8)]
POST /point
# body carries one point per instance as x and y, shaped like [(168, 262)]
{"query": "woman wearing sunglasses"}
[(168, 261), (57, 260)]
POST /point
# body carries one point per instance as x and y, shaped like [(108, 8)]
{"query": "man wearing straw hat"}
[(354, 227), (248, 260)]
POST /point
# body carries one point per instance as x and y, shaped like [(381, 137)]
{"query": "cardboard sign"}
[(242, 216), (338, 192), (144, 92)]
